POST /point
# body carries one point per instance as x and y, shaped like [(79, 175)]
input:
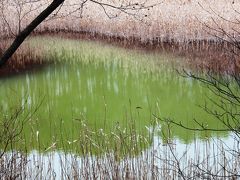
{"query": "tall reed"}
[(179, 21)]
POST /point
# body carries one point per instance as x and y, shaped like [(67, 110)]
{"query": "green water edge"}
[(97, 98)]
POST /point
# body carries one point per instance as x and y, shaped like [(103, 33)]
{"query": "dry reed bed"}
[(25, 58), (177, 26), (178, 21)]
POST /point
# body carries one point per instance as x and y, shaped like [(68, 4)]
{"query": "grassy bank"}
[(216, 58), (66, 48), (200, 56)]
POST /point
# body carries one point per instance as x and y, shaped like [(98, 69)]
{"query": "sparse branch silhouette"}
[(225, 86), (54, 8)]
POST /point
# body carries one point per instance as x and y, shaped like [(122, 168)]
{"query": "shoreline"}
[(200, 55)]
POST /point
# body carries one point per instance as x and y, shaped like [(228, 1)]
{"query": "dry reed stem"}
[(26, 58), (180, 20), (171, 24)]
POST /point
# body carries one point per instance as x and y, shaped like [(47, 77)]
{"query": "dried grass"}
[(178, 21), (178, 26), (25, 58)]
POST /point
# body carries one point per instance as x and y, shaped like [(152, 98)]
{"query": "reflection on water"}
[(103, 95), (60, 164)]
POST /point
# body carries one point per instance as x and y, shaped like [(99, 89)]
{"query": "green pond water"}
[(102, 87)]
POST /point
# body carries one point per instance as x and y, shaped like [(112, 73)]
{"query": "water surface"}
[(103, 87)]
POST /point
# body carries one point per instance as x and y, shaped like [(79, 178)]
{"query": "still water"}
[(104, 87)]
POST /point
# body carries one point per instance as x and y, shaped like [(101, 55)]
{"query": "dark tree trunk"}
[(26, 32)]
